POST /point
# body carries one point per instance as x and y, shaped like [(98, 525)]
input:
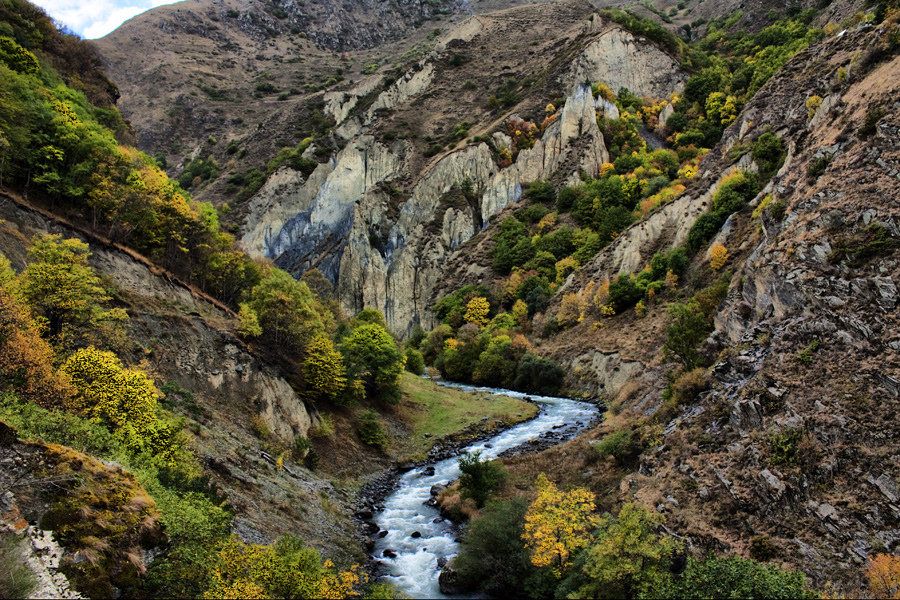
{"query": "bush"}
[(688, 327), (735, 577), (496, 366), (370, 431), (559, 243), (620, 444), (372, 356), (538, 375), (492, 558), (479, 479), (567, 197), (768, 152), (624, 293), (512, 247), (451, 309), (535, 291), (123, 399), (540, 191), (415, 362)]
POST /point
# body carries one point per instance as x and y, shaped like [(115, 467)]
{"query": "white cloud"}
[(95, 18)]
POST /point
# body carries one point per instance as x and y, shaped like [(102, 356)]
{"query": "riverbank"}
[(412, 540)]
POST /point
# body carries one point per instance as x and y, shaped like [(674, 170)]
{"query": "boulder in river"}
[(382, 534), (388, 553), (428, 471), (416, 535)]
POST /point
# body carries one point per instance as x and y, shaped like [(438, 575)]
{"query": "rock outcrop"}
[(389, 254)]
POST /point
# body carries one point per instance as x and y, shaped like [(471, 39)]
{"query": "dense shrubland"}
[(560, 545)]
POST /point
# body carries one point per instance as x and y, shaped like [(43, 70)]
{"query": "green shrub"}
[(621, 445), (535, 292), (768, 152), (560, 242), (479, 479), (783, 446), (624, 293), (567, 197), (370, 431), (540, 191), (372, 355), (532, 213), (512, 247), (538, 375), (415, 362), (492, 558), (688, 327), (735, 577), (198, 171)]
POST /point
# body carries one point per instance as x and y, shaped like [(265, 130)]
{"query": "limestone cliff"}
[(388, 252)]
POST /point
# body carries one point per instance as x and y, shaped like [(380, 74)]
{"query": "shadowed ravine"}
[(415, 569)]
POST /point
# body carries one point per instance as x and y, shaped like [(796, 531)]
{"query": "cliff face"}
[(387, 251)]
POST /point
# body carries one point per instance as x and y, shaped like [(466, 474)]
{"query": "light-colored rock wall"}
[(619, 59), (341, 221)]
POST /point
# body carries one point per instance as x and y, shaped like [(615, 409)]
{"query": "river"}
[(415, 568)]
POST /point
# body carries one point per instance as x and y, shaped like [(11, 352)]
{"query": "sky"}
[(95, 18)]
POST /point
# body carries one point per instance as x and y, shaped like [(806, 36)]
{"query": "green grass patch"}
[(433, 412)]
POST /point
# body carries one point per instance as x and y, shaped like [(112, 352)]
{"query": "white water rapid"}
[(415, 568)]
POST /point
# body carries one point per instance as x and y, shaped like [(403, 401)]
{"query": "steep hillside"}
[(784, 447)]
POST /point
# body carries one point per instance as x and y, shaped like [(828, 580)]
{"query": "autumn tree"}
[(883, 574), (125, 400), (558, 524), (62, 289), (628, 558), (477, 311), (520, 312), (248, 321), (373, 357), (286, 569), (718, 256), (323, 368), (288, 312), (26, 359)]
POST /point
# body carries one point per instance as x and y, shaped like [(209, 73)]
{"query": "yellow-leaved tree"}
[(883, 574), (477, 311), (323, 368), (62, 289), (520, 312), (125, 400), (286, 569), (557, 524)]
